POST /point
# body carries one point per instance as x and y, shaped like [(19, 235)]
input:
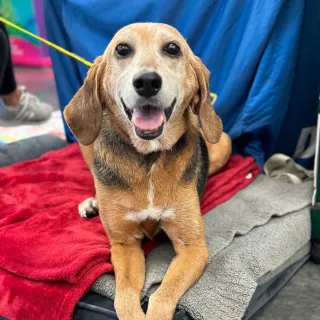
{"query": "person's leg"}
[(9, 91), (17, 106), (3, 55)]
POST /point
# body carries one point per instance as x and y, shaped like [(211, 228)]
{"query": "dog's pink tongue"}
[(148, 118)]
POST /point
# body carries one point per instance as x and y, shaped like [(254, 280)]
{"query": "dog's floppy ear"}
[(84, 112), (211, 124)]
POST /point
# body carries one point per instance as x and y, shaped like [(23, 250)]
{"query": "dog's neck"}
[(120, 145), (117, 163)]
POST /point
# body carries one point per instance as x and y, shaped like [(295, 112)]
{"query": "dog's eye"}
[(172, 49), (123, 50)]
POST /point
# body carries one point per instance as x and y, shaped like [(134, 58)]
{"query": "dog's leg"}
[(186, 268), (219, 153), (129, 267), (88, 208), (87, 153)]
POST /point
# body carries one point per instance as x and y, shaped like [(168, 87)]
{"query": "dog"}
[(144, 121)]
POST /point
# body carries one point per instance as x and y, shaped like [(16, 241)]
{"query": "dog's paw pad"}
[(88, 208)]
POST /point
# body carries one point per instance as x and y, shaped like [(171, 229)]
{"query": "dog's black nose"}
[(147, 84)]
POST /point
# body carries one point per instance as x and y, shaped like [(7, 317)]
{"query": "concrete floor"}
[(298, 300)]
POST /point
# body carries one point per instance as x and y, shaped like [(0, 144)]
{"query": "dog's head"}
[(149, 82)]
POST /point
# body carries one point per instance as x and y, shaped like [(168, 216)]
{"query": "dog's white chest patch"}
[(151, 211)]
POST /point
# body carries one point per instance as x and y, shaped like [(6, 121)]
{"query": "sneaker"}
[(30, 111)]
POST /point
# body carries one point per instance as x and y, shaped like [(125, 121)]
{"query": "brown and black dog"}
[(137, 117)]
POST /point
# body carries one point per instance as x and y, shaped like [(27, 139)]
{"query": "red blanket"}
[(49, 256)]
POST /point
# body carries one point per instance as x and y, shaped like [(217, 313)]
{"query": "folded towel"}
[(235, 176), (245, 244), (49, 256), (282, 167)]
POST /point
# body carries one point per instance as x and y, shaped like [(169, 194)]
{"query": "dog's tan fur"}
[(153, 197)]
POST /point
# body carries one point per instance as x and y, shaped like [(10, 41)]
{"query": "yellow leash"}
[(64, 51), (48, 43)]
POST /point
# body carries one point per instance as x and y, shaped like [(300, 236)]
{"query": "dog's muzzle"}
[(149, 120)]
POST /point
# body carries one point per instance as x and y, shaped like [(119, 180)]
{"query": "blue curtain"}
[(263, 57)]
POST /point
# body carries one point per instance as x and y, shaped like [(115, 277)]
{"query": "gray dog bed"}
[(257, 240)]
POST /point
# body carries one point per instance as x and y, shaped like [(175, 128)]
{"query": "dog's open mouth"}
[(148, 120)]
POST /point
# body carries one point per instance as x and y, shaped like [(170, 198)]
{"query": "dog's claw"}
[(88, 208)]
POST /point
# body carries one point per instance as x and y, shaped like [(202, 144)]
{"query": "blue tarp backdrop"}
[(263, 57)]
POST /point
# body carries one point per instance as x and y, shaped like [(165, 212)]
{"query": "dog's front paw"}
[(160, 308), (88, 208), (128, 310), (133, 315)]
